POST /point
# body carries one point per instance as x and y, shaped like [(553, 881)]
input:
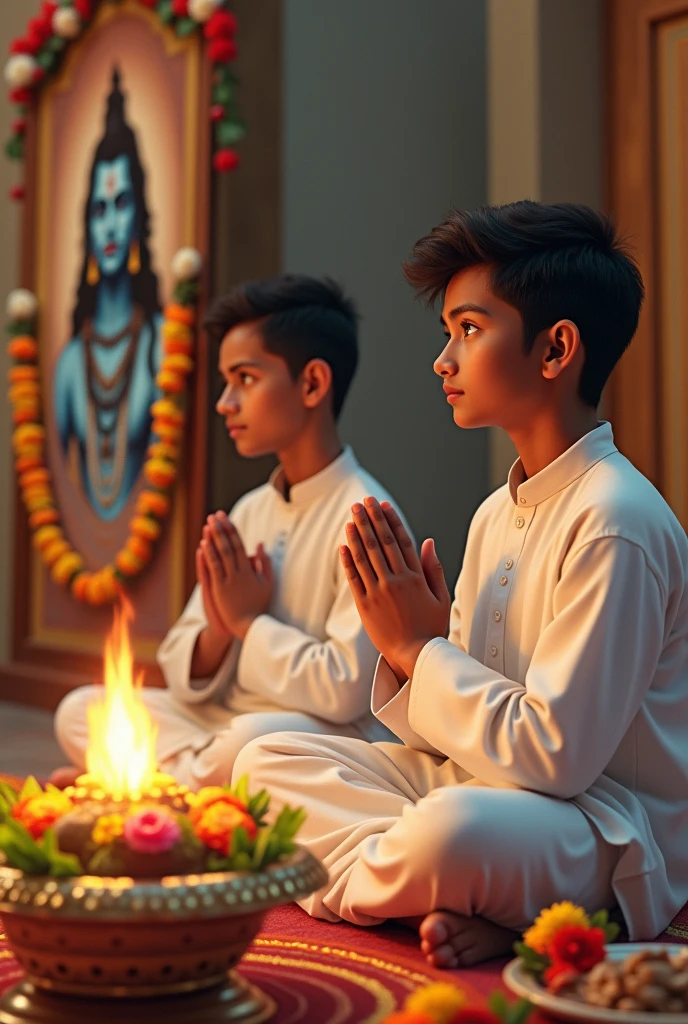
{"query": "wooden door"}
[(647, 46)]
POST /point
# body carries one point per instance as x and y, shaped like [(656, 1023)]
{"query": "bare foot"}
[(67, 776), (451, 940)]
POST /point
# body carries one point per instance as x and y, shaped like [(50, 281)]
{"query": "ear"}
[(317, 382), (562, 346)]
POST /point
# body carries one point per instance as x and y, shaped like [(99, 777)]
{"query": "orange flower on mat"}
[(577, 948), (216, 826), (440, 1001), (39, 813), (409, 1017)]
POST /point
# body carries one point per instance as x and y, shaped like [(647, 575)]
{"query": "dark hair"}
[(550, 262), (119, 140), (302, 319)]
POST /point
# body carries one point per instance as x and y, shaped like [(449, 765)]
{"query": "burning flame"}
[(122, 735)]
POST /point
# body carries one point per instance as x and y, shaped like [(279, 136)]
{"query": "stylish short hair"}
[(550, 262), (301, 318)]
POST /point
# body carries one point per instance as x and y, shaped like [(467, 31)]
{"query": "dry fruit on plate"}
[(650, 980)]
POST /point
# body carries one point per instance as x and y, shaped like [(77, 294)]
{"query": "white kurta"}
[(306, 664), (565, 674)]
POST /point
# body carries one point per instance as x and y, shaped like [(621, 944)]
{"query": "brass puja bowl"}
[(120, 950)]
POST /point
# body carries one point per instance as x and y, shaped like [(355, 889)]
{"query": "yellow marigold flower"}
[(178, 362), (440, 1001), (66, 566), (549, 921), (107, 828), (175, 329)]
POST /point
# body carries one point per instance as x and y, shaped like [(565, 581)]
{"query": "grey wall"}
[(384, 130)]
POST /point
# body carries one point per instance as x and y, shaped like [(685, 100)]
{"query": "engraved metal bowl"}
[(104, 938)]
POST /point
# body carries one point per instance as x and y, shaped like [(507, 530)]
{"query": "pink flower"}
[(151, 831)]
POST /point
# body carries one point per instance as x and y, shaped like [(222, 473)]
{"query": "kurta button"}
[(493, 651), (503, 580), (497, 616), (522, 500), (520, 522), (509, 562)]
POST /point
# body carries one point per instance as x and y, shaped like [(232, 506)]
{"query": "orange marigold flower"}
[(173, 329), (23, 348), (55, 549), (144, 526), (550, 920), (160, 472), (66, 566), (217, 823), (24, 389), (31, 459), (209, 795), (152, 501), (100, 588), (167, 431), (39, 813), (28, 433), (25, 414), (167, 380), (36, 491), (177, 346), (409, 1017), (43, 517), (177, 363), (139, 547), (441, 1001), (167, 411), (80, 585), (39, 475), (127, 562), (181, 314), (23, 372), (163, 450), (39, 501)]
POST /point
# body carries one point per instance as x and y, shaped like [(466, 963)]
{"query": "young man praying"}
[(544, 717), (271, 638)]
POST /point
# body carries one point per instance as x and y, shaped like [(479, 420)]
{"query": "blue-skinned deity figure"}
[(105, 377)]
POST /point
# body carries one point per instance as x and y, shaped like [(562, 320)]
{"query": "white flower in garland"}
[(201, 10), (21, 304), (186, 264), (66, 23), (20, 71)]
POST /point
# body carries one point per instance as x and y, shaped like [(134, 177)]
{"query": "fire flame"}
[(121, 749)]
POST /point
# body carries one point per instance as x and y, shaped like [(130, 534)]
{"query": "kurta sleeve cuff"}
[(390, 705), (174, 659)]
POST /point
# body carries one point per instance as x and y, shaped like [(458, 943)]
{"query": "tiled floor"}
[(27, 743)]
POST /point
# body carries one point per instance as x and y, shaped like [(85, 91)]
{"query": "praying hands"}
[(236, 588), (402, 599)]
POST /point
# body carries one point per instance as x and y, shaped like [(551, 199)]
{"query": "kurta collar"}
[(319, 485), (597, 444)]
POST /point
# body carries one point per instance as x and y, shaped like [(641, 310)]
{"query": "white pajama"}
[(306, 664), (402, 833), (559, 702)]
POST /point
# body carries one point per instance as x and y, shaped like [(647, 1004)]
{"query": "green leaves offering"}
[(21, 850), (601, 920), (510, 1013), (532, 961)]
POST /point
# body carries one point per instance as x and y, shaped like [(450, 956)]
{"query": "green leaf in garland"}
[(223, 94), (46, 59), (56, 44), (227, 133), (186, 292), (185, 27), (15, 328), (14, 148), (165, 12)]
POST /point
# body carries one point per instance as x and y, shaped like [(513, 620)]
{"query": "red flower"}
[(225, 160), (19, 126), (559, 976), (38, 30), (47, 10), (17, 193), (83, 8), (180, 8), (220, 25), (24, 46), (577, 948), (21, 95), (217, 112), (221, 51), (38, 75)]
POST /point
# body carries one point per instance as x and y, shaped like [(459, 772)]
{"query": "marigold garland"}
[(153, 504), (37, 55)]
